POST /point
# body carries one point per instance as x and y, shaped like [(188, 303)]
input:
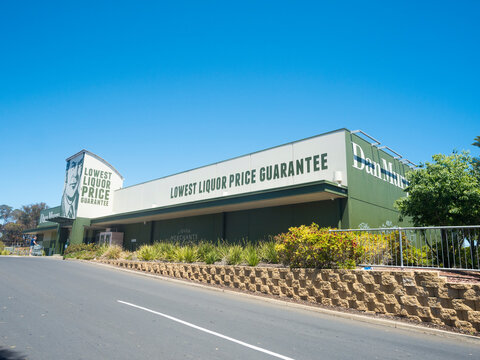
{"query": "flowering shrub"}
[(383, 248), (412, 255), (376, 247), (312, 247)]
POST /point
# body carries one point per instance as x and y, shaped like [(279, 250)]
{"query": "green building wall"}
[(140, 233), (237, 226), (371, 199), (78, 230), (190, 229), (260, 224)]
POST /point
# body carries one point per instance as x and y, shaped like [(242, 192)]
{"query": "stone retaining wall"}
[(418, 295)]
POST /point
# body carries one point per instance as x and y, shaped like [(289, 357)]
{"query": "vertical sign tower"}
[(90, 183)]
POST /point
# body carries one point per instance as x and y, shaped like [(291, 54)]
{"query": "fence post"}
[(401, 248)]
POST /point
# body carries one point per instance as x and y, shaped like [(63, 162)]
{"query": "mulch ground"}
[(461, 276), (456, 276)]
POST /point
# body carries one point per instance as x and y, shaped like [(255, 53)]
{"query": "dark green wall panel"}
[(189, 229), (259, 224), (373, 216), (140, 232)]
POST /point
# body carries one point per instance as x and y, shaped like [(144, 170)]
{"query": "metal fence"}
[(17, 250), (449, 247)]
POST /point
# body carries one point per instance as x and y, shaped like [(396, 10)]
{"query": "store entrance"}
[(62, 240)]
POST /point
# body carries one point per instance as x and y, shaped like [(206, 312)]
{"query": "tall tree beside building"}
[(29, 215), (5, 217), (476, 160), (445, 192), (14, 222), (5, 214), (10, 232)]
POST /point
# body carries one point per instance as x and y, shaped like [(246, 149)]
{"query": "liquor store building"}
[(340, 179)]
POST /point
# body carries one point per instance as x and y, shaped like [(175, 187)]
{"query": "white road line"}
[(208, 331)]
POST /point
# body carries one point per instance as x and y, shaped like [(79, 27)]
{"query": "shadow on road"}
[(6, 354)]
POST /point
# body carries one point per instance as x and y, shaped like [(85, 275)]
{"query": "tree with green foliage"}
[(476, 160), (29, 215), (14, 222), (6, 213), (445, 192), (12, 234), (476, 141)]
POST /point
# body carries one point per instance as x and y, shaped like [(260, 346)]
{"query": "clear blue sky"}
[(161, 87)]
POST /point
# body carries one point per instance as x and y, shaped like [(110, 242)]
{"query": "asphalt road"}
[(54, 309)]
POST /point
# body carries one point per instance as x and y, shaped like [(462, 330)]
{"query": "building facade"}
[(341, 179)]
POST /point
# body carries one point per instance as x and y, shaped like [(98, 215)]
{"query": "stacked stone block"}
[(423, 296)]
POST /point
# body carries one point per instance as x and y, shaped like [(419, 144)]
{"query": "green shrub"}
[(148, 252), (212, 256), (251, 256), (384, 249), (113, 252), (80, 251), (2, 246), (412, 255), (165, 251), (129, 255), (100, 250), (234, 255), (203, 249), (5, 252), (73, 248), (187, 254), (209, 253), (268, 252), (312, 247), (222, 249), (86, 255)]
